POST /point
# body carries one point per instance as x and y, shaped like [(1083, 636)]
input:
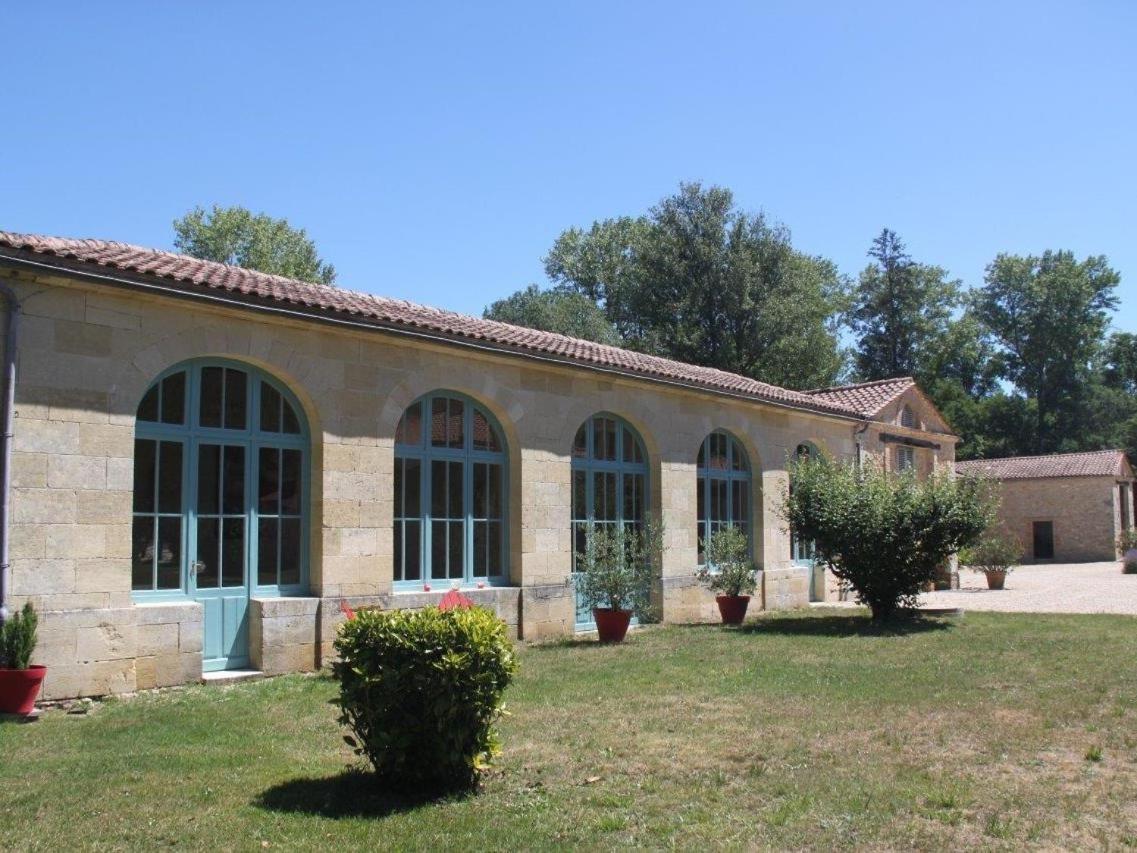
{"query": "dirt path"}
[(1064, 588)]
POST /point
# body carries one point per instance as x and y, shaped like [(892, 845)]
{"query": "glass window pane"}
[(438, 549), (409, 430), (211, 392), (494, 501), (630, 447), (438, 489), (480, 544), (631, 498), (456, 428), (142, 553), (291, 551), (397, 553), (174, 399), (412, 487), (270, 408), (701, 459), (455, 487), (579, 495), (485, 436), (641, 495), (701, 498), (169, 553), (233, 480), (718, 460), (291, 419), (291, 478), (233, 552), (480, 508), (399, 466), (579, 542), (148, 408), (208, 551), (438, 422), (170, 477), (412, 545), (145, 463), (457, 547), (738, 457), (208, 468), (236, 402), (268, 482), (267, 551), (580, 443), (495, 555)]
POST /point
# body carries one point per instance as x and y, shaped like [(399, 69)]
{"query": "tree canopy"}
[(557, 310), (257, 241)]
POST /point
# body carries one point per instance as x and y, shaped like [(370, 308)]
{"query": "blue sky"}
[(435, 151)]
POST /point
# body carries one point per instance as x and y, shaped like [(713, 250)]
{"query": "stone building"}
[(1066, 507), (208, 462)]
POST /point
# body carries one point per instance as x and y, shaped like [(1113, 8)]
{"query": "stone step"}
[(231, 676)]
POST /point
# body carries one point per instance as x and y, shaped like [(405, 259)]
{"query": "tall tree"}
[(234, 235), (557, 310), (1049, 315), (901, 313), (700, 281)]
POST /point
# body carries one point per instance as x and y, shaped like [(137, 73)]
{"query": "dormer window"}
[(908, 417)]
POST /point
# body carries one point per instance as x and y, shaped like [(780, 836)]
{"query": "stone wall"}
[(1084, 511), (89, 352)]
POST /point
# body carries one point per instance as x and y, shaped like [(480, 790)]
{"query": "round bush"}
[(421, 691)]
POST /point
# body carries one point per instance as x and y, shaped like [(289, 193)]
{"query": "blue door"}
[(219, 571)]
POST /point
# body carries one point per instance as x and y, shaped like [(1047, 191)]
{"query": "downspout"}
[(7, 417)]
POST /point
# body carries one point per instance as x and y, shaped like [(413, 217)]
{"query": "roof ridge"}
[(1038, 456), (401, 312), (868, 384)]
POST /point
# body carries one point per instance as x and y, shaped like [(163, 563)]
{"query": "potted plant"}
[(1127, 545), (730, 572), (618, 566), (995, 554), (20, 680)]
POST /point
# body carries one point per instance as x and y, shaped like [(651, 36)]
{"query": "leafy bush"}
[(729, 569), (422, 690), (884, 534), (18, 638), (619, 564), (996, 551), (1127, 541)]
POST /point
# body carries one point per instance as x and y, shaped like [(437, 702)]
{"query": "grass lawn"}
[(802, 730)]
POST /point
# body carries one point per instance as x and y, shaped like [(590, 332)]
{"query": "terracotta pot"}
[(611, 624), (733, 608), (19, 688), (995, 580)]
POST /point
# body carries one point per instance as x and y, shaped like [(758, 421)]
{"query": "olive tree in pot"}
[(618, 565), (20, 680), (1127, 545), (730, 572), (996, 554)]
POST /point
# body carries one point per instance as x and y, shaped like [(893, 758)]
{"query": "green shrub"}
[(18, 638), (997, 551), (618, 565), (422, 690), (886, 535), (729, 570), (1127, 540)]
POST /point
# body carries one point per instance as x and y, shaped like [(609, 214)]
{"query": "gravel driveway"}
[(1062, 588)]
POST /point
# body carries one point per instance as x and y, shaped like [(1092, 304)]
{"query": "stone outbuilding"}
[(1065, 507), (208, 462)]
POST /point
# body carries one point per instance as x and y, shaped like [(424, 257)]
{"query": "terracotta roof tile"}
[(867, 398), (190, 275), (1098, 463)]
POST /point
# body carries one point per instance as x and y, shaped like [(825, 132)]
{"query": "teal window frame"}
[(190, 434), (803, 553), (589, 464), (468, 456), (707, 479)]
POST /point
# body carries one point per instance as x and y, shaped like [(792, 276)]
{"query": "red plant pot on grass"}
[(733, 608), (19, 689), (611, 625)]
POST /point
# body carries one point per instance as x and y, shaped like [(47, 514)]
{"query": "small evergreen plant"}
[(18, 638)]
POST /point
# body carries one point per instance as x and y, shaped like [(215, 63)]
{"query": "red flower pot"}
[(733, 608), (995, 580), (19, 688), (611, 625)]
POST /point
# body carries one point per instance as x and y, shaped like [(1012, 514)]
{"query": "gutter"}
[(7, 418), (380, 326)]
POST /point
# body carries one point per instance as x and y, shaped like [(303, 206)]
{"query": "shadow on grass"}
[(852, 625), (352, 793)]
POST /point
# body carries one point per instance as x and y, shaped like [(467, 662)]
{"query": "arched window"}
[(803, 551), (220, 496), (609, 483), (450, 496), (723, 480)]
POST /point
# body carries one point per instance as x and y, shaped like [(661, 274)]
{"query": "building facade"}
[(1066, 507), (208, 462)]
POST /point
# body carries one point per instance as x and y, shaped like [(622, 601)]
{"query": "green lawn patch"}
[(800, 730)]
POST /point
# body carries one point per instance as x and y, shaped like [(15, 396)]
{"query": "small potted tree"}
[(995, 554), (730, 573), (20, 680), (1127, 545), (619, 564)]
